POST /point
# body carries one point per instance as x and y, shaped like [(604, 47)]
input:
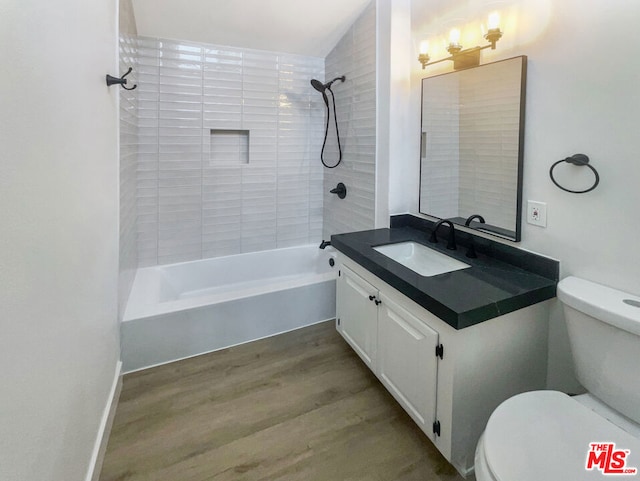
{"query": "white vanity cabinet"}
[(393, 343), (449, 381), (358, 322), (407, 364)]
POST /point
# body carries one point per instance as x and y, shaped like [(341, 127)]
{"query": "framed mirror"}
[(472, 141)]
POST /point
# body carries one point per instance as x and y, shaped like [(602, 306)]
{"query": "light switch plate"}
[(537, 213)]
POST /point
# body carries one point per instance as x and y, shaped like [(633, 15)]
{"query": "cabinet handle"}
[(371, 298), (378, 302)]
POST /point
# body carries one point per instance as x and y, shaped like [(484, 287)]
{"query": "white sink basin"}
[(421, 259)]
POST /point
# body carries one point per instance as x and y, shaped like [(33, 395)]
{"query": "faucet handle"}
[(433, 239)]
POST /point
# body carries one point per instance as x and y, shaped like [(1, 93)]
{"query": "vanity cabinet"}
[(358, 324), (392, 342), (407, 364), (449, 381)]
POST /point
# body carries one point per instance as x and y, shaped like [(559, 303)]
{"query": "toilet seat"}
[(545, 435)]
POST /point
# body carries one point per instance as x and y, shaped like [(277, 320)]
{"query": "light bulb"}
[(493, 23), (454, 36), (424, 46)]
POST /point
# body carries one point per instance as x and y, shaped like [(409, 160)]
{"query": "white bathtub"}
[(182, 310)]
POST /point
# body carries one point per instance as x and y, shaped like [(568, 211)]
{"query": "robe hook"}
[(111, 80)]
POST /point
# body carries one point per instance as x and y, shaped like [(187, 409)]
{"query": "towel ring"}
[(579, 160)]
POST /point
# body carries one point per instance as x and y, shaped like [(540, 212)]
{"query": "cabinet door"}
[(356, 314), (407, 362)]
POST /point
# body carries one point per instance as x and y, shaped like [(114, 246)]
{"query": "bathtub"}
[(182, 310)]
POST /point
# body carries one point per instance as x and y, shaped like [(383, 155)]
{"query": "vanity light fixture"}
[(464, 58)]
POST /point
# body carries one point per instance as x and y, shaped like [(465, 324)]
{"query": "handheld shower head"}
[(320, 87)]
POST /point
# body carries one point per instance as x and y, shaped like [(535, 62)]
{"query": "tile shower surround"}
[(193, 203), (355, 57), (128, 163)]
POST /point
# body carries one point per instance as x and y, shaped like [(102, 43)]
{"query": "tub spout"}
[(324, 244)]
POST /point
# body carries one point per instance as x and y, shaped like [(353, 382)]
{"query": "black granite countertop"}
[(490, 288)]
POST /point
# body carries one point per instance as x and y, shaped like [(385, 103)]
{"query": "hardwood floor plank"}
[(299, 406)]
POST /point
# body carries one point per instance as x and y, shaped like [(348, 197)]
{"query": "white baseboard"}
[(100, 447)]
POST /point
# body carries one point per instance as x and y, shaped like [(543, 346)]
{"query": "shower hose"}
[(326, 132)]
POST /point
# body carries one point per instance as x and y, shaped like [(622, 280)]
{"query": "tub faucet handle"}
[(340, 190)]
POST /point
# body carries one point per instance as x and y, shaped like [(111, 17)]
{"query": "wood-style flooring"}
[(299, 406)]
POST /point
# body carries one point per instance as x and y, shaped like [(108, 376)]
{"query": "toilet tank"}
[(604, 332)]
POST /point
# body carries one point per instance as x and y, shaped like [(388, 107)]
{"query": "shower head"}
[(320, 87)]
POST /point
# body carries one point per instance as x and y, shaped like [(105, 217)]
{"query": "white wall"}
[(402, 153), (582, 96), (293, 26), (59, 242), (393, 101)]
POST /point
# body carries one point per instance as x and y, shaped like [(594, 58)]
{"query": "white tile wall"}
[(128, 158), (354, 57), (189, 205), (228, 147), (148, 139)]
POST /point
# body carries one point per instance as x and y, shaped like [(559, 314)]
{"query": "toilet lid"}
[(545, 435)]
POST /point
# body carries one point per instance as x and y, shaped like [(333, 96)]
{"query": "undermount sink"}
[(419, 258)]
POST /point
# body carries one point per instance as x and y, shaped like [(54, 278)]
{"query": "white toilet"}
[(546, 435)]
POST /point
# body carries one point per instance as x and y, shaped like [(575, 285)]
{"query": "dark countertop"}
[(488, 289)]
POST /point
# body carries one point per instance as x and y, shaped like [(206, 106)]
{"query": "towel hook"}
[(111, 80), (580, 160)]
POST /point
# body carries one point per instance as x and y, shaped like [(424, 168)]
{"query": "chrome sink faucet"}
[(451, 242)]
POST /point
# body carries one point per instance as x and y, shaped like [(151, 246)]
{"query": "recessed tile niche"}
[(229, 147)]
